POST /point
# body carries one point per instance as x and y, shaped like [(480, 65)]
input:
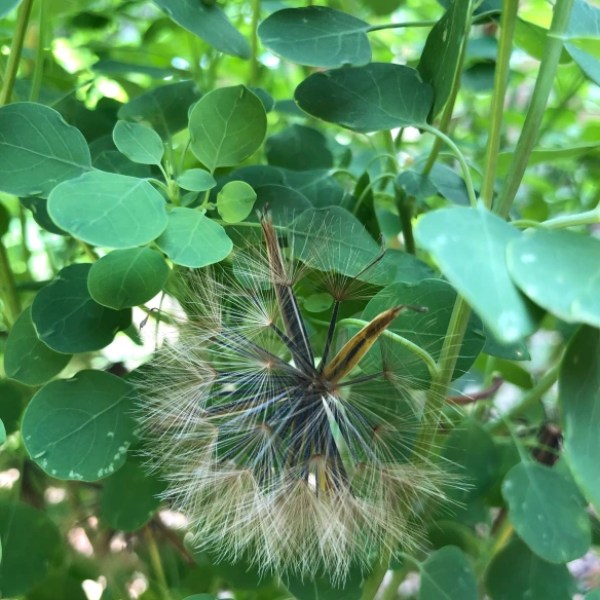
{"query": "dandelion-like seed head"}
[(276, 444)]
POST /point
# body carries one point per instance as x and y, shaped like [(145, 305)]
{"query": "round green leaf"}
[(579, 398), (517, 574), (208, 22), (459, 236), (375, 97), (299, 148), (541, 264), (80, 428), (107, 209), (38, 149), (26, 358), (227, 126), (317, 36), (66, 317), (30, 543), (125, 278), (191, 239), (139, 143), (547, 512), (196, 180), (129, 498), (447, 575), (235, 201)]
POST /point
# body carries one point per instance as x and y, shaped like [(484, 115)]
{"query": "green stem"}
[(530, 398), (589, 217), (436, 395), (10, 297), (405, 203), (412, 347), (254, 63), (461, 159), (15, 52), (38, 70), (156, 563), (373, 582), (390, 592), (508, 22), (537, 107)]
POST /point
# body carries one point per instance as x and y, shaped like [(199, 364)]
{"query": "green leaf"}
[(30, 543), (426, 329), (299, 148), (191, 239), (165, 107), (440, 59), (547, 512), (2, 440), (541, 263), (7, 5), (80, 428), (285, 203), (447, 575), (38, 150), (26, 358), (515, 573), (113, 161), (66, 317), (317, 36), (375, 97), (11, 405), (39, 210), (129, 498), (227, 126), (106, 209), (584, 23), (459, 236), (196, 180), (139, 143), (235, 201), (126, 278), (208, 22), (579, 398)]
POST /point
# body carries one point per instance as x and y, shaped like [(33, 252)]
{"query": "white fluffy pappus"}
[(275, 443)]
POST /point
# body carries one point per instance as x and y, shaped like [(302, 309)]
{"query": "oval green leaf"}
[(235, 201), (208, 22), (30, 543), (516, 573), (375, 97), (227, 126), (138, 143), (447, 575), (441, 56), (193, 240), (80, 428), (126, 278), (459, 236), (546, 511), (541, 263), (106, 209), (317, 36), (66, 317), (38, 150), (129, 498), (579, 398), (196, 180), (26, 358), (299, 148)]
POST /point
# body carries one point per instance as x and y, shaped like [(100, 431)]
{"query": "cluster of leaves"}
[(103, 198)]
